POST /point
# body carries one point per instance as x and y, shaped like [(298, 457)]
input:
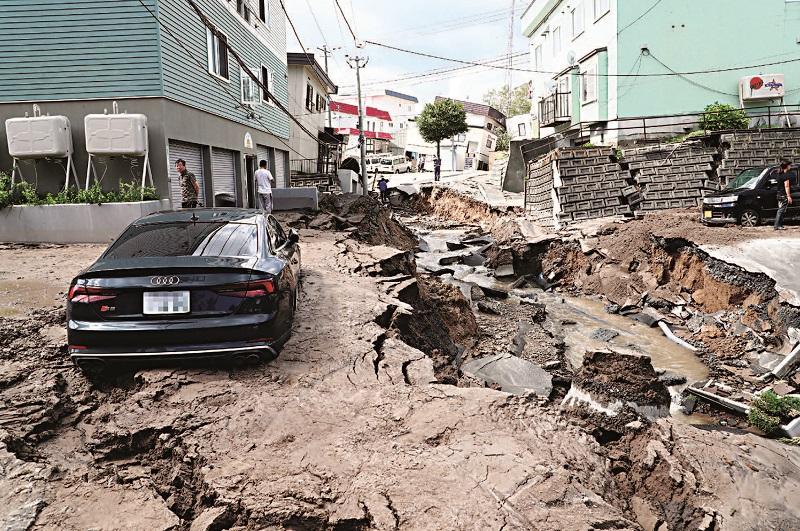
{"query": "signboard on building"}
[(248, 141), (469, 162), (762, 87)]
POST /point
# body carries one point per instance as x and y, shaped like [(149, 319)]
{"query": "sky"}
[(464, 29)]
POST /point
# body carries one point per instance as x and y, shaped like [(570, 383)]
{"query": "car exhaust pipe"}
[(91, 365)]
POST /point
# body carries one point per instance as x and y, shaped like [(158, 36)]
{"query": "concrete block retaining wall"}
[(72, 223), (575, 184)]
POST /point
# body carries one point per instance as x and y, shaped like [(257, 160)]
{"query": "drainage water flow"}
[(582, 322)]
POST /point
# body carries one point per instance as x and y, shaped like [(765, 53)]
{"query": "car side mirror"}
[(293, 236)]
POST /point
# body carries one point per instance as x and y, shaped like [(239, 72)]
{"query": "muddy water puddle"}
[(582, 322), (18, 297)]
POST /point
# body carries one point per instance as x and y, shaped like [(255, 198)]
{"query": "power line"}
[(640, 17), (349, 27), (437, 71), (659, 74), (691, 81)]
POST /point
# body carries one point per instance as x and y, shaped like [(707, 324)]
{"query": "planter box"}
[(72, 223)]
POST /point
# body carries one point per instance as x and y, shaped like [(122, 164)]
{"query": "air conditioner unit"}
[(39, 137), (116, 134), (762, 87)]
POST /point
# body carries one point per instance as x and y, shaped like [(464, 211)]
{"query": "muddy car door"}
[(286, 251)]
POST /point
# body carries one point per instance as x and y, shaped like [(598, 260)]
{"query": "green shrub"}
[(720, 116), (768, 411), (24, 193)]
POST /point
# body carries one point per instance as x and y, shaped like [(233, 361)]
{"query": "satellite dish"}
[(571, 58)]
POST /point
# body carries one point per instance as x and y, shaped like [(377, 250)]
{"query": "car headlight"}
[(720, 200)]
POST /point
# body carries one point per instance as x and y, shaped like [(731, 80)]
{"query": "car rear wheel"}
[(397, 171), (749, 218)]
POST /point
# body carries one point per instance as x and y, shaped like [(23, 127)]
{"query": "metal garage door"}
[(280, 168), (193, 155), (224, 175)]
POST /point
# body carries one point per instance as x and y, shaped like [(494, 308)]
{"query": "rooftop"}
[(401, 96), (307, 59), (478, 108)]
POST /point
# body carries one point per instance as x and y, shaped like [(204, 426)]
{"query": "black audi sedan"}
[(187, 284), (750, 199)]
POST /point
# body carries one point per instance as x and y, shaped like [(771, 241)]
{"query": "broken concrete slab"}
[(488, 307), (504, 271), (495, 293), (514, 375), (455, 246), (604, 334), (474, 259)]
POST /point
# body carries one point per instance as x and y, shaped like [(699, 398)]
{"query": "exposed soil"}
[(351, 427)]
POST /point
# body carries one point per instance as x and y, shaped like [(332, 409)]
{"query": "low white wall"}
[(72, 223), (295, 198)]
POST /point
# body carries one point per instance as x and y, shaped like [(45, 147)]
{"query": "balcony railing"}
[(312, 167), (554, 109)]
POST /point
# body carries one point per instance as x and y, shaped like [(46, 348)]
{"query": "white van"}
[(374, 161), (394, 164)]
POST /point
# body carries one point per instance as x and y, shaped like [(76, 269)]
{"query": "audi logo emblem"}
[(164, 281)]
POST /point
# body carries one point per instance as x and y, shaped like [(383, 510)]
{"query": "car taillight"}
[(82, 294), (248, 290)]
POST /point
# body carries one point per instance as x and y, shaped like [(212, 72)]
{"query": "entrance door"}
[(224, 175), (193, 155), (250, 167), (280, 169)]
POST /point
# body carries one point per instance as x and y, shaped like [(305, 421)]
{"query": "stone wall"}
[(745, 149)]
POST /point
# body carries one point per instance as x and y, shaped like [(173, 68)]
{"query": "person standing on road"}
[(383, 186), (189, 187), (421, 164), (264, 180), (784, 193), (437, 168)]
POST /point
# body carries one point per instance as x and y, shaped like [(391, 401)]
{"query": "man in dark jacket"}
[(783, 192)]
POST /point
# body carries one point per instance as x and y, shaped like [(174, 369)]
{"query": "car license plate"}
[(166, 302), (707, 214)]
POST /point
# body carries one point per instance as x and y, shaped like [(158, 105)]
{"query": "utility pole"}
[(510, 60), (358, 63), (327, 52)]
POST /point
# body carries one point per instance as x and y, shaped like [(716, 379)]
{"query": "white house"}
[(522, 127), (402, 107), (311, 89), (344, 117)]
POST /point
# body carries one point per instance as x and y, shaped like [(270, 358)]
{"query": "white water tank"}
[(39, 137), (116, 134)]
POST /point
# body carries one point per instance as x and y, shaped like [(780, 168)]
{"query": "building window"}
[(521, 129), (601, 7), (267, 80), (462, 137), (216, 45), (537, 57), (249, 89), (489, 143), (263, 11), (243, 8), (589, 85), (489, 126), (557, 40), (309, 97), (577, 20)]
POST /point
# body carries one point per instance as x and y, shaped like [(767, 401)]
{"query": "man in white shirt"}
[(264, 180)]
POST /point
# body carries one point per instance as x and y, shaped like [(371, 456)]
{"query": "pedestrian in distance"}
[(784, 193), (264, 180), (437, 168), (421, 165), (383, 186), (190, 190)]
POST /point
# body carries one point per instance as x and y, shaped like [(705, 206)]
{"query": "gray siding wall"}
[(186, 77), (55, 50)]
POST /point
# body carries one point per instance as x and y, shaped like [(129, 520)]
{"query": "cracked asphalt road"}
[(332, 436)]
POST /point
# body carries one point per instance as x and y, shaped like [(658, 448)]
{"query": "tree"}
[(503, 139), (519, 103), (721, 116), (440, 120)]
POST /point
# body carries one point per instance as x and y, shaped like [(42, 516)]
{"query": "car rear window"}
[(186, 239)]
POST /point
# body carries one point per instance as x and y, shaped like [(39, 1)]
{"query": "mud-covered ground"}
[(350, 428)]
